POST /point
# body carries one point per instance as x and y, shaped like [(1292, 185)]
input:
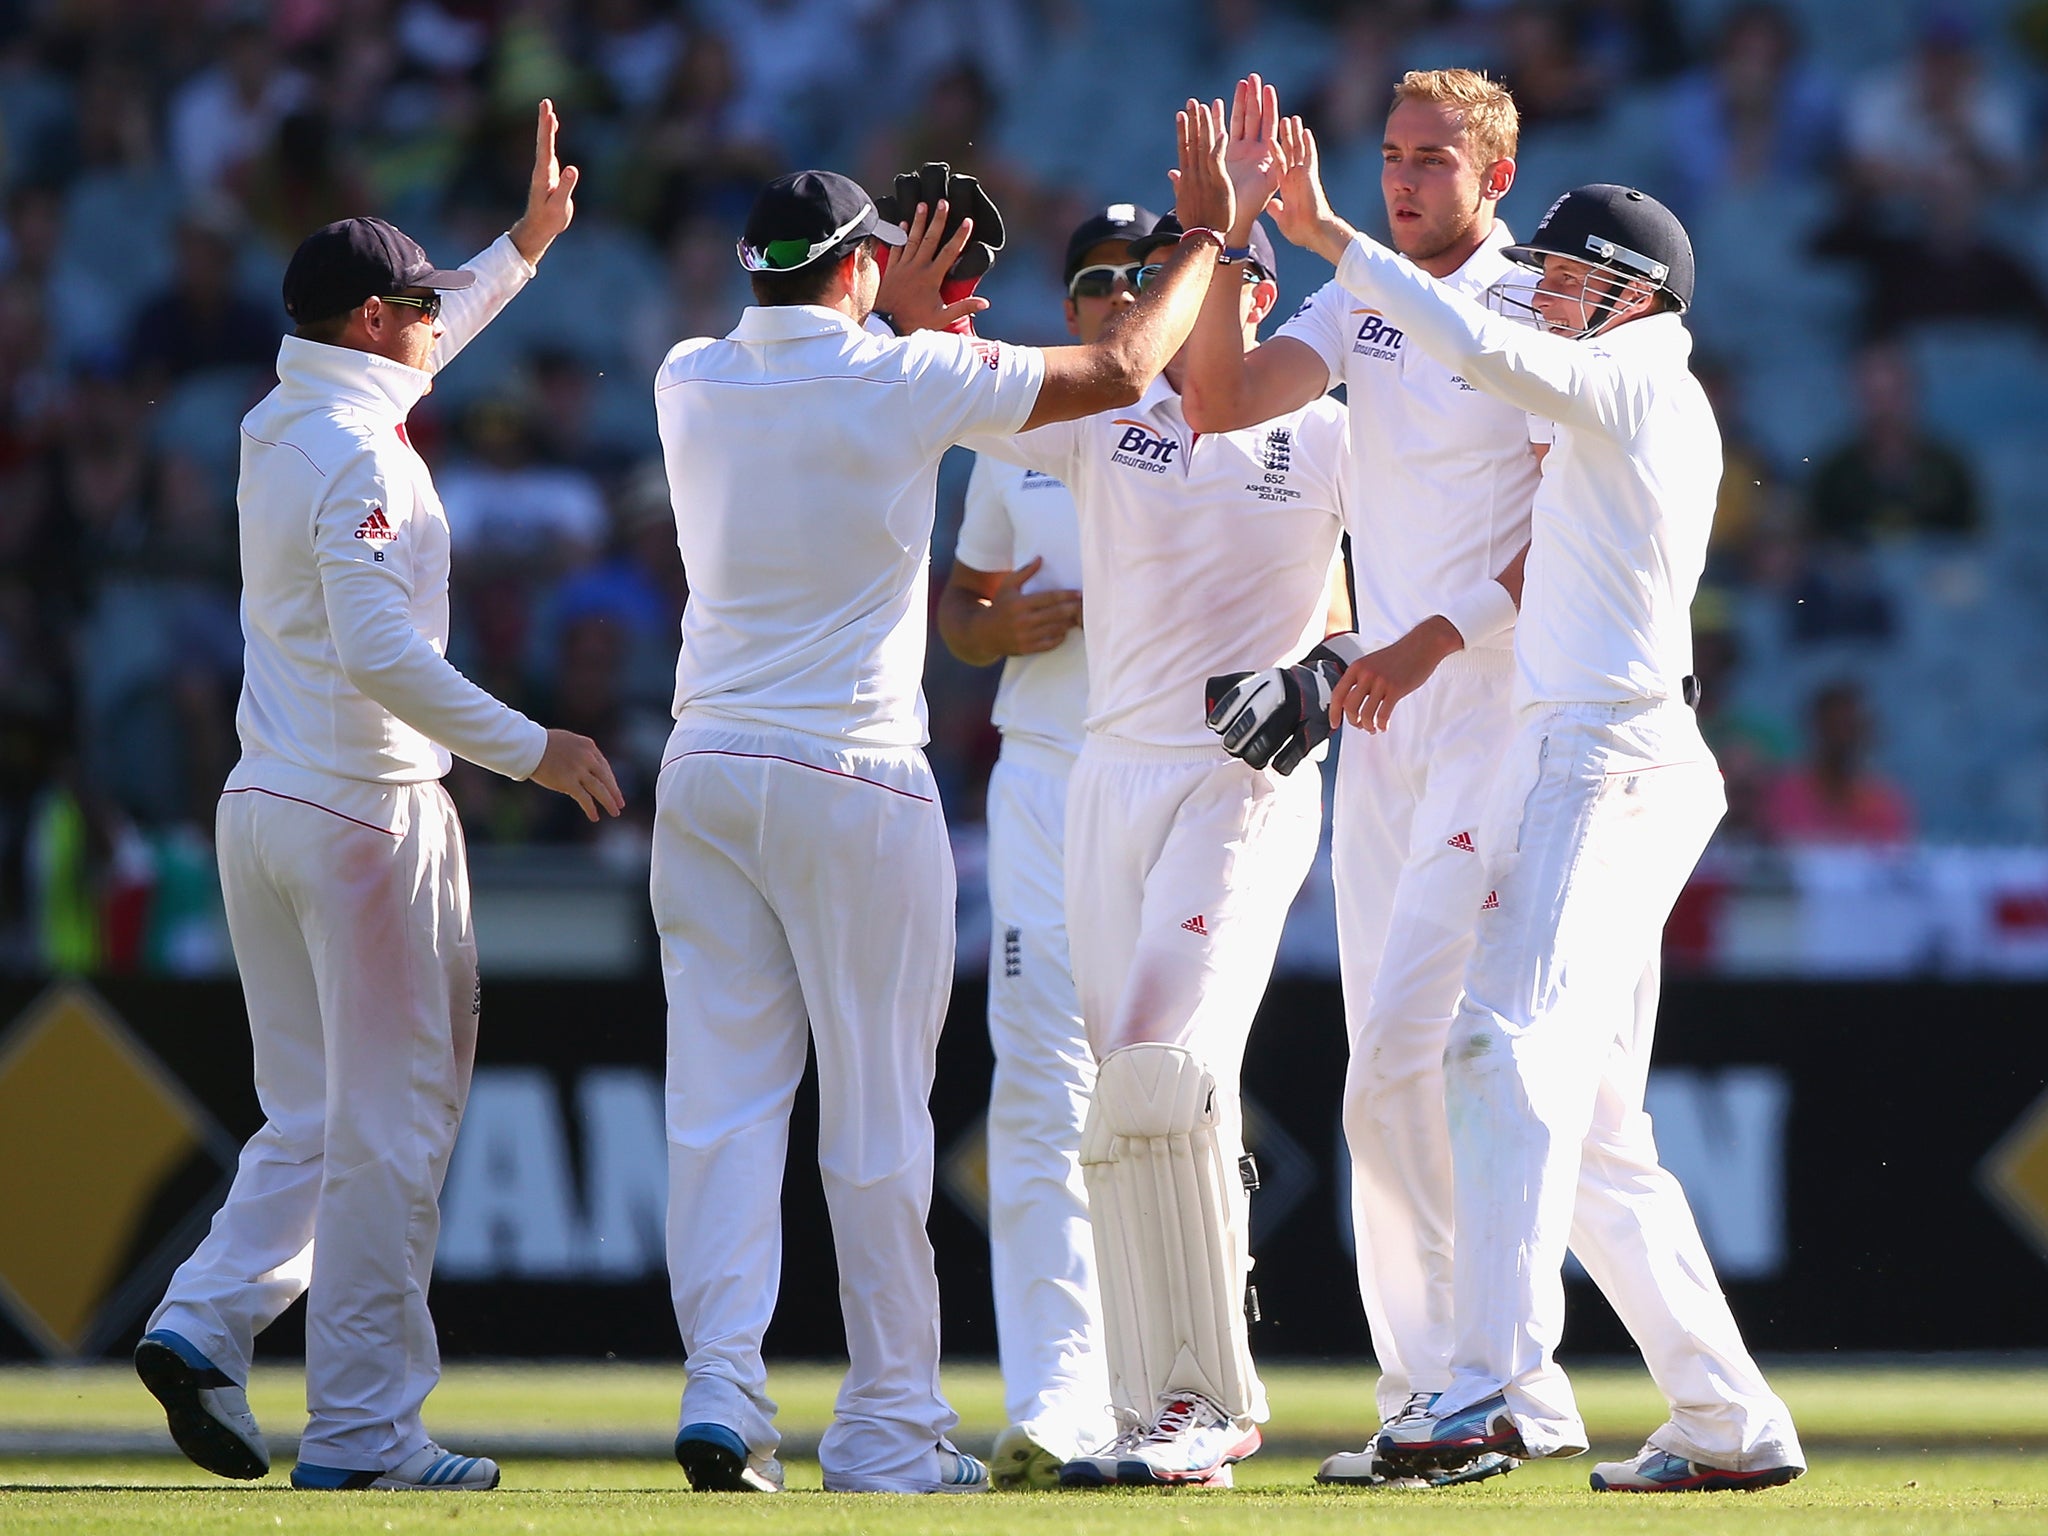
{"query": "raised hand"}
[(908, 295), (1251, 158), (1202, 196), (1302, 209), (550, 196)]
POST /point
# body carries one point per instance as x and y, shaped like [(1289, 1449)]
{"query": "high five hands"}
[(1272, 167)]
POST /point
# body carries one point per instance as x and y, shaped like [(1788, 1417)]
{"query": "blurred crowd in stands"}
[(1864, 180)]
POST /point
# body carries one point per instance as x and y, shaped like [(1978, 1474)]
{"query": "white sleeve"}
[(368, 587), (1049, 449), (988, 539), (1322, 325), (1541, 429), (968, 384), (1551, 376), (500, 273)]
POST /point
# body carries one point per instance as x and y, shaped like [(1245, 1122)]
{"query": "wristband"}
[(1203, 229), (886, 324), (1482, 613), (1231, 255)]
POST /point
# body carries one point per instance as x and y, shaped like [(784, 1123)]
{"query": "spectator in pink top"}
[(1836, 797)]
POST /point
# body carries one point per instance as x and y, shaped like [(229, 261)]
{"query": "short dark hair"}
[(806, 285)]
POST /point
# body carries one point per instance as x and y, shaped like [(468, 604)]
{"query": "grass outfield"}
[(1894, 1450)]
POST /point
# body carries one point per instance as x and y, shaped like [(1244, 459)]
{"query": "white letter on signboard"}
[(1723, 1135), (508, 1209)]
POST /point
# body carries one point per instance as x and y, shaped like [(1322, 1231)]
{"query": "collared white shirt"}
[(1627, 494), (1200, 554), (1015, 516), (1442, 474), (802, 457), (345, 570)]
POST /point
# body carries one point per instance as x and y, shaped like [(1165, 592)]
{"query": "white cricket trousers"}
[(803, 891), (349, 913), (1042, 1256), (1597, 819), (1181, 866), (1409, 881)]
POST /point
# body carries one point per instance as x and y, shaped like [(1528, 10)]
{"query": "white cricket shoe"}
[(1190, 1443), (1655, 1471), (208, 1413), (429, 1469), (1366, 1468), (1018, 1461)]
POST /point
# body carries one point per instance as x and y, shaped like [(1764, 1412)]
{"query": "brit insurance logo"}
[(1376, 338), (1039, 480), (1142, 448)]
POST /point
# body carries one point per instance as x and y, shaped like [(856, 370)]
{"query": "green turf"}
[(1896, 1450)]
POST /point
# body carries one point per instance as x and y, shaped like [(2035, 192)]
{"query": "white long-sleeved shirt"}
[(1200, 553), (1442, 476), (1626, 500), (1015, 516), (345, 572), (802, 453)]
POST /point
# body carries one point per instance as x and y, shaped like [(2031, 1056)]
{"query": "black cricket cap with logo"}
[(341, 264), (1168, 232), (805, 215), (1119, 221)]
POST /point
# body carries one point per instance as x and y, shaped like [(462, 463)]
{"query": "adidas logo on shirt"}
[(1492, 902), (1196, 925), (1462, 842), (376, 528)]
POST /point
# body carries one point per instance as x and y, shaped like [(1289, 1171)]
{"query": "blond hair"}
[(1492, 125)]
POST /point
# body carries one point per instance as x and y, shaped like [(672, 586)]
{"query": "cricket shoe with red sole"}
[(1191, 1444), (1656, 1471)]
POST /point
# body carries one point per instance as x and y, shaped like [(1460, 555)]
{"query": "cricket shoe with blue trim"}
[(959, 1472), (716, 1460), (208, 1412), (1657, 1471), (1426, 1443), (429, 1469), (1191, 1444)]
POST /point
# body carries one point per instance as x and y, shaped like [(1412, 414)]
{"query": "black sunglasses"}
[(429, 307), (1100, 282), (1149, 273)]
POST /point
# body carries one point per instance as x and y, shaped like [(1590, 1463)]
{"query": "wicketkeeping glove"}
[(965, 199), (1281, 714)]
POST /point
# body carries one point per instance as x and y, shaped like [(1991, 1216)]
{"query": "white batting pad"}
[(1162, 1205)]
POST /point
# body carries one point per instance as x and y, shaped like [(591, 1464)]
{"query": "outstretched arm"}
[(1227, 387), (505, 266)]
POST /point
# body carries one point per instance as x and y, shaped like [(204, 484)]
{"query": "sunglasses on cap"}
[(1149, 273), (429, 307), (1100, 282)]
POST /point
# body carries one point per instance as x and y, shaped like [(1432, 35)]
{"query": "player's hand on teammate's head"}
[(550, 195), (1202, 196), (908, 294), (572, 765), (1252, 158)]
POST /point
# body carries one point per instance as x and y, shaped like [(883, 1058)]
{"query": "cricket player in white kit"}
[(1603, 803), (1014, 594), (342, 867), (802, 879), (1442, 476), (1199, 554)]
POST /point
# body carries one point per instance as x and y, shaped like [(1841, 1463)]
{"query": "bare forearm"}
[(1217, 393), (1144, 339)]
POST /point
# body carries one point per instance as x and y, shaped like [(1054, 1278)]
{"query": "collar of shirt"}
[(1486, 266), (1653, 334), (1159, 398), (790, 322), (385, 389)]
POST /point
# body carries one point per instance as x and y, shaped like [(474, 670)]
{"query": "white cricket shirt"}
[(1627, 493), (1013, 517), (1441, 472), (345, 573), (1199, 554), (802, 458)]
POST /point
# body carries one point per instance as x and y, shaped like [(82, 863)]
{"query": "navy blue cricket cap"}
[(808, 214), (1169, 233), (1119, 221), (341, 264)]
